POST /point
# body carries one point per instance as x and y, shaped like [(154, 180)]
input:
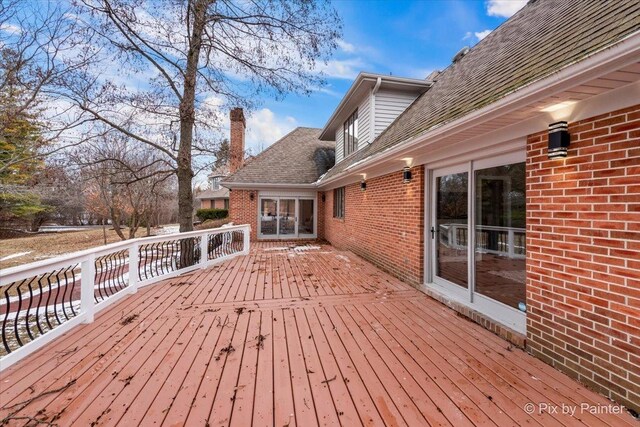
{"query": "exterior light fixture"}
[(406, 174), (363, 185), (324, 198), (558, 140), (251, 196)]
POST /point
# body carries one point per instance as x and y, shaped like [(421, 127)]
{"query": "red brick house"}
[(216, 196), (507, 186)]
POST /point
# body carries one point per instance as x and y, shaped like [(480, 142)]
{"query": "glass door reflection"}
[(287, 210), (305, 223), (451, 230), (500, 250), (269, 217)]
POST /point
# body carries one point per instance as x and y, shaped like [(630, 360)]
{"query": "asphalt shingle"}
[(297, 158), (542, 38)]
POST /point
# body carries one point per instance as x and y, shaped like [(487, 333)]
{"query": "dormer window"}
[(215, 182), (350, 132)]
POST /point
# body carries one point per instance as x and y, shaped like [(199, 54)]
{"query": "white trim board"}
[(623, 54)]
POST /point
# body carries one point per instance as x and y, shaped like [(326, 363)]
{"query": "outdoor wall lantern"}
[(251, 196), (406, 174), (363, 185), (324, 198), (558, 140)]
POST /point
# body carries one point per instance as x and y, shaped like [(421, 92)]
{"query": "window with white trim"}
[(338, 202), (350, 134)]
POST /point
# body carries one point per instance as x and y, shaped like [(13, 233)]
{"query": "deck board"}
[(319, 337)]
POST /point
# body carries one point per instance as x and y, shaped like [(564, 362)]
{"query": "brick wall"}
[(382, 224), (583, 254), (236, 139), (212, 203), (243, 210)]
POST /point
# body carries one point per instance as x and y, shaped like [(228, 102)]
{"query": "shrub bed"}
[(205, 214)]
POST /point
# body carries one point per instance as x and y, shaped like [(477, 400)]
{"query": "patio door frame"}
[(509, 316), (296, 234)]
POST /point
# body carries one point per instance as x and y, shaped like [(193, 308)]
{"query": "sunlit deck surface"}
[(287, 337)]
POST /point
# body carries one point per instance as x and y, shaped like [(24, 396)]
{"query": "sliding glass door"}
[(451, 227), (500, 234), (286, 217), (478, 236)]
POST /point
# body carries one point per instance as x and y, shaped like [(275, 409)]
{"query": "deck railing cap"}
[(100, 250)]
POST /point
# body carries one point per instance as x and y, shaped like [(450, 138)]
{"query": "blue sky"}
[(405, 38)]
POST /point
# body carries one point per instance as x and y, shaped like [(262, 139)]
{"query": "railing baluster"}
[(64, 291), (49, 293), (5, 340), (26, 317)]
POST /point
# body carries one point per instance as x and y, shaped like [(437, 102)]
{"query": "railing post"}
[(511, 243), (87, 285), (204, 249), (247, 236), (134, 264)]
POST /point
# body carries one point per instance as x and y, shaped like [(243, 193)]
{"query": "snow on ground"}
[(168, 229), (19, 254)]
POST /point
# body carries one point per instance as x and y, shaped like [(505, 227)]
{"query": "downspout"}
[(372, 112)]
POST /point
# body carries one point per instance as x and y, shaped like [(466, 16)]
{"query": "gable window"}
[(338, 202), (215, 182), (350, 134)]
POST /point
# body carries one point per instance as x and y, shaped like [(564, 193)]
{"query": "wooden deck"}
[(287, 338)]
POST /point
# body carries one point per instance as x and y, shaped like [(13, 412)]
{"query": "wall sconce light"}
[(324, 198), (406, 174), (251, 196), (363, 185), (558, 140)]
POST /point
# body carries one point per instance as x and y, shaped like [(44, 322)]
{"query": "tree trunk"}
[(187, 118), (187, 121), (115, 221)]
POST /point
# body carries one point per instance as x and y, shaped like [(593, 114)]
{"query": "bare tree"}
[(167, 68), (38, 50), (125, 181)]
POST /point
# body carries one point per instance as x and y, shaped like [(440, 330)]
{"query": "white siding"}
[(364, 122), (339, 144), (388, 106)]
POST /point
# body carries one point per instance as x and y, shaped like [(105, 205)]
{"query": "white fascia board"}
[(263, 185), (621, 55), (328, 131)]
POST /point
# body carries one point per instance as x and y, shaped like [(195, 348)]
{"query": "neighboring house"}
[(215, 196), (459, 185)]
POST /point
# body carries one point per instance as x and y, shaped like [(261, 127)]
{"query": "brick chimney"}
[(236, 143)]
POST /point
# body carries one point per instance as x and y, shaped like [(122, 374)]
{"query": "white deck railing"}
[(43, 300), (503, 241)]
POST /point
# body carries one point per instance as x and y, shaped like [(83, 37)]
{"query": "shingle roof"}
[(542, 38), (297, 158), (220, 193)]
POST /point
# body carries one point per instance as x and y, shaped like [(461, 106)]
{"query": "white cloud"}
[(10, 29), (504, 8), (264, 128), (482, 34), (342, 68), (345, 46)]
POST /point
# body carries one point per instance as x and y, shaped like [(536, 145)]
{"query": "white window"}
[(350, 133)]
